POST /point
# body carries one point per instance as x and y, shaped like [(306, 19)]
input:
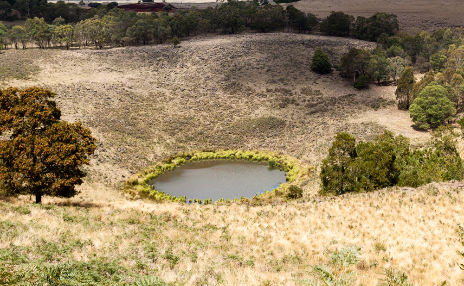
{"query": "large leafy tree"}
[(338, 169), (65, 34), (39, 154), (39, 31), (19, 34), (432, 107), (370, 29)]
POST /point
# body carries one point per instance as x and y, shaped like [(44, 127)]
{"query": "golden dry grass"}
[(411, 230)]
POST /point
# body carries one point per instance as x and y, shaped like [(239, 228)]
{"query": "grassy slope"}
[(143, 103), (412, 230)]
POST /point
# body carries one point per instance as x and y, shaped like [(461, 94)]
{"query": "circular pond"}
[(215, 179)]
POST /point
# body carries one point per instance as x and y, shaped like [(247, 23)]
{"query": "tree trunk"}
[(38, 198)]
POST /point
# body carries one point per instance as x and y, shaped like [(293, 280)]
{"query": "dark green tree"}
[(404, 90), (39, 154), (338, 174), (6, 8), (362, 82), (269, 18), (321, 63), (377, 68), (438, 61), (440, 161), (354, 64), (432, 107), (381, 161), (337, 24), (370, 29)]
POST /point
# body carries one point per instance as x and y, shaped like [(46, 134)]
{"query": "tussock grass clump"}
[(141, 186)]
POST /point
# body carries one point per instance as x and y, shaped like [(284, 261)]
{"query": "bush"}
[(361, 82), (321, 63), (294, 192), (175, 41), (432, 107), (394, 277)]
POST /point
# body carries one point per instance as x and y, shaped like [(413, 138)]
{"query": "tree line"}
[(71, 12), (106, 25)]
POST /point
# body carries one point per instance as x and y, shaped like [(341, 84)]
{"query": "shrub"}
[(338, 272), (395, 278), (271, 163), (175, 41), (294, 192), (321, 63), (361, 82)]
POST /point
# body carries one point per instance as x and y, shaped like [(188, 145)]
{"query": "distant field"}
[(413, 15)]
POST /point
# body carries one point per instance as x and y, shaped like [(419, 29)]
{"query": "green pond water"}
[(215, 179)]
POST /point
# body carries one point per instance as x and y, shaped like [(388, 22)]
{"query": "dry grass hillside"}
[(247, 92), (252, 91)]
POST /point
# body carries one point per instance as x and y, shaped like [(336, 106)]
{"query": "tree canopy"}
[(321, 63), (432, 107), (388, 161), (404, 89), (39, 153)]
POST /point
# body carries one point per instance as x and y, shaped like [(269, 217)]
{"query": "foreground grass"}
[(411, 230)]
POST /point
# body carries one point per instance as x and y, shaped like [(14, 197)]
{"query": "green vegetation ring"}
[(139, 186)]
